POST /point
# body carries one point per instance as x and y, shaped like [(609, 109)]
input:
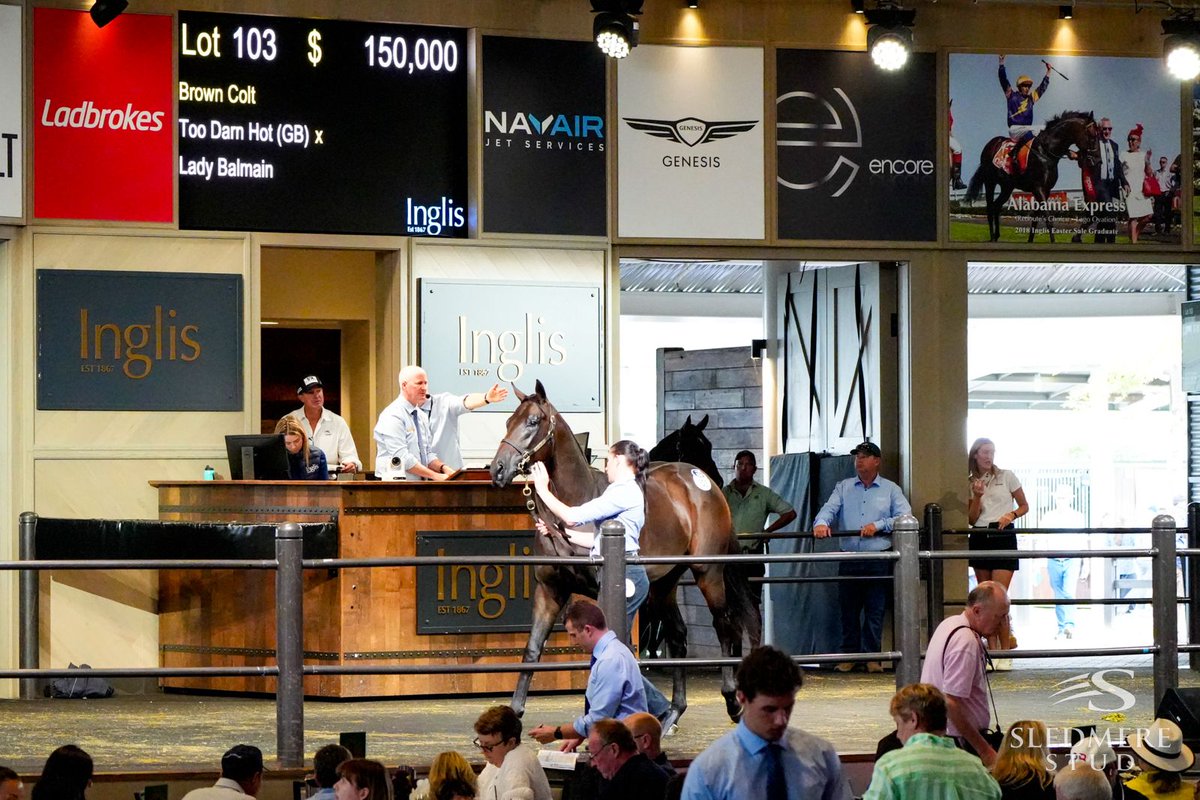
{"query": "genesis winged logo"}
[(689, 130)]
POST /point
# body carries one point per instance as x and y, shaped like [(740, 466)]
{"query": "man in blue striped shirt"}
[(868, 504)]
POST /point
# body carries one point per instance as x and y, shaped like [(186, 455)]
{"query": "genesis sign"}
[(690, 160)]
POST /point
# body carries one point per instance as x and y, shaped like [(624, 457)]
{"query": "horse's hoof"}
[(732, 707), (668, 721)]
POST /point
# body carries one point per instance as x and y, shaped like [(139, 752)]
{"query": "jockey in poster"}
[(1020, 118), (1021, 102)]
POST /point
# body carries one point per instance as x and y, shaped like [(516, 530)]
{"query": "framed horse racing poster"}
[(1064, 149)]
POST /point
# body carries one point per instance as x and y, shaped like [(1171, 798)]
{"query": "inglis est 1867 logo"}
[(433, 219)]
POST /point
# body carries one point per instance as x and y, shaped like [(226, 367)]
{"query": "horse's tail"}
[(740, 602), (976, 184)]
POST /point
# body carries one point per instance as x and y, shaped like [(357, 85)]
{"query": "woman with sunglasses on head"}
[(513, 771), (990, 510)]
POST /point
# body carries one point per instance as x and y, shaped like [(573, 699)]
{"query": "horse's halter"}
[(524, 456)]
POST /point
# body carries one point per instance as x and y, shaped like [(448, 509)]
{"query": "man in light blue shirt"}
[(762, 758), (325, 764), (614, 687), (403, 439), (868, 504)]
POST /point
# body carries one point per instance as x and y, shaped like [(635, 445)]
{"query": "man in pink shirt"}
[(955, 664)]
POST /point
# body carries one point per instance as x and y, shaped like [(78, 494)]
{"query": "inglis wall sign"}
[(477, 334), (139, 341)]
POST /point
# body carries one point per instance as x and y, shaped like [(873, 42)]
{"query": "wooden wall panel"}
[(360, 616)]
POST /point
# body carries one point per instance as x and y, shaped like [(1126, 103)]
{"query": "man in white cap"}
[(1098, 754), (325, 429), (1163, 757)]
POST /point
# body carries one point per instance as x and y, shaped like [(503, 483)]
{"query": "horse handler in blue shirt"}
[(868, 504)]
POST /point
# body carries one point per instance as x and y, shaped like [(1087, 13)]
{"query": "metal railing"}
[(289, 566)]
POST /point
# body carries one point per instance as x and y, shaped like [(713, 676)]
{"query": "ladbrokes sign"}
[(137, 341), (856, 147), (102, 117)]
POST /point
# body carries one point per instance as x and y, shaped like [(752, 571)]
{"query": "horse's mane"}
[(1066, 115)]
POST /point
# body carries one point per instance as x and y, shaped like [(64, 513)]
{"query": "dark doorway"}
[(288, 354)]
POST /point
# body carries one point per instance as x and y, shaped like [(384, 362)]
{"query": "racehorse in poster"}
[(1069, 129)]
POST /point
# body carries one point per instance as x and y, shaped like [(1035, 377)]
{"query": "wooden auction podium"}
[(362, 616)]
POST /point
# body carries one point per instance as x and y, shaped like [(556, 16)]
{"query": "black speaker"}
[(105, 11), (1182, 706)]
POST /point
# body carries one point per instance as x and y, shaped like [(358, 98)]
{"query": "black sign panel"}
[(544, 137), (461, 598), (856, 147), (139, 341), (321, 126)]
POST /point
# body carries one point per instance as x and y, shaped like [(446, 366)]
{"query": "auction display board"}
[(321, 126)]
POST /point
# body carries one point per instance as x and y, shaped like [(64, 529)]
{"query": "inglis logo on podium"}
[(135, 347), (474, 598)]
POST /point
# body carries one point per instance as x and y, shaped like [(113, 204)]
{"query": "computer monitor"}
[(263, 456)]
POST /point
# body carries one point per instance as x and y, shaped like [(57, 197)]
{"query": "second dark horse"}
[(686, 514), (1069, 128)]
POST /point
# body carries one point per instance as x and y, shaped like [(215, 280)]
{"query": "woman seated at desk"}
[(305, 463)]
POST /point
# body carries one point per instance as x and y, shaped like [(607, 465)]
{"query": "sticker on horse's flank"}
[(701, 480)]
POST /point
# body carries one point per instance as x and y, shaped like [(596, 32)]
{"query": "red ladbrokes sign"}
[(102, 139)]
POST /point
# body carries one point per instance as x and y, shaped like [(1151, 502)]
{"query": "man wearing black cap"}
[(325, 429), (241, 776), (867, 504)]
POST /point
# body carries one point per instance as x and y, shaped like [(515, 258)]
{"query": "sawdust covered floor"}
[(158, 732)]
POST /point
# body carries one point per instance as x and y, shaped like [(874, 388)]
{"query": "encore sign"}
[(138, 341), (473, 598)]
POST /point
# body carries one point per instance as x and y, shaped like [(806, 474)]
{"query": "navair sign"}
[(544, 137), (856, 147), (102, 117)]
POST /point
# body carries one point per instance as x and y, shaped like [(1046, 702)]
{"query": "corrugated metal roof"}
[(983, 278), (732, 277), (745, 277)]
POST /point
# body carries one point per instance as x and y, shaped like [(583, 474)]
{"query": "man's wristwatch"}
[(558, 732)]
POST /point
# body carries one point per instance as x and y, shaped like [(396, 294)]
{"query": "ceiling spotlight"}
[(614, 28), (692, 3), (105, 11), (890, 36), (858, 6), (1066, 12), (1181, 47)]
